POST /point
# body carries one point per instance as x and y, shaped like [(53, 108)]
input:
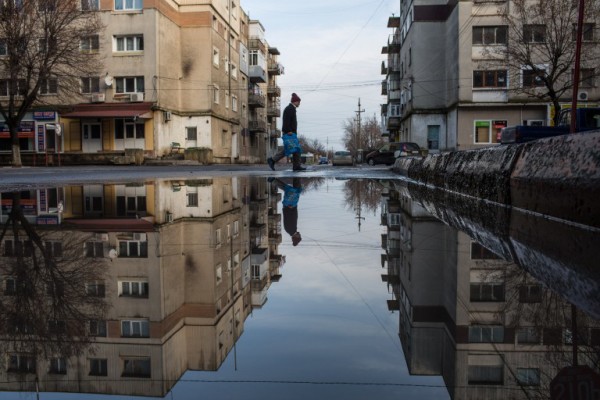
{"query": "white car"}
[(342, 157)]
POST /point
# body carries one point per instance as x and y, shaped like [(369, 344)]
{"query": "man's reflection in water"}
[(291, 195)]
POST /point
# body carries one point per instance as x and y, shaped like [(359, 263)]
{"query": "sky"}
[(331, 52)]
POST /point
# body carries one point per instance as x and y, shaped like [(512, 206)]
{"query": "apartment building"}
[(180, 268), (485, 325), (175, 75), (447, 89)]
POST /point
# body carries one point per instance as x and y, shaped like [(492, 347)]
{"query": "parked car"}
[(342, 157), (323, 160), (386, 154)]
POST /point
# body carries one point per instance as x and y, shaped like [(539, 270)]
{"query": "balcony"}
[(384, 90), (275, 68), (257, 126), (274, 110), (275, 133), (274, 91), (394, 43), (257, 73), (257, 100), (383, 68), (257, 44)]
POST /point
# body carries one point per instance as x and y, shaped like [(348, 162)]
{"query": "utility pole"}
[(357, 143)]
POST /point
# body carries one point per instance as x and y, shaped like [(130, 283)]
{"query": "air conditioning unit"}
[(582, 96), (167, 116), (98, 97), (136, 97), (139, 237)]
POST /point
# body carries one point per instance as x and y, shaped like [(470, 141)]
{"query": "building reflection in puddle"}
[(135, 284), (486, 324)]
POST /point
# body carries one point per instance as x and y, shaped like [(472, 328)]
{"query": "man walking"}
[(291, 145)]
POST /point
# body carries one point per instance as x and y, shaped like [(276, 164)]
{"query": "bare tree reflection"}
[(50, 289), (364, 195)]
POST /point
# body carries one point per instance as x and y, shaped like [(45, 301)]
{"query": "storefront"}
[(39, 132)]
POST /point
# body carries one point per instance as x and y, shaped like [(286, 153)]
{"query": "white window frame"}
[(528, 68), (216, 94), (136, 42), (139, 325), (129, 5), (90, 84), (89, 44), (215, 57), (143, 288), (219, 273), (90, 5), (218, 238), (234, 103), (123, 82), (49, 87)]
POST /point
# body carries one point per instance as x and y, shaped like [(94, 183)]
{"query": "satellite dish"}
[(108, 80), (113, 254)]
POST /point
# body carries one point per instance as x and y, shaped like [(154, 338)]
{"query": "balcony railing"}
[(275, 133), (257, 44), (274, 90), (257, 100), (257, 126), (384, 90), (274, 110), (256, 73), (275, 68), (383, 68)]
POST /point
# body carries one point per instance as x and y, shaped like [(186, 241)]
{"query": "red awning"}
[(114, 110)]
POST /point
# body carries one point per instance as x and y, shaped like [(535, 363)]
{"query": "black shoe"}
[(271, 163), (299, 169)]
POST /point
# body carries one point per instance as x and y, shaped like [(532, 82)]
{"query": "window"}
[(10, 287), (21, 363), (98, 367), (191, 133), (136, 367), (530, 293), (528, 376), (433, 137), (132, 84), (94, 249), (488, 35), (486, 374), (528, 335), (234, 103), (129, 43), (133, 289), (16, 248), (89, 44), (135, 328), (46, 45), (128, 5), (218, 237), (90, 5), (133, 249), (95, 289), (586, 77), (234, 73), (255, 271), (192, 199), (588, 32), (489, 79), (3, 47), (534, 33), (253, 57), (533, 77), (227, 101), (215, 57), (129, 129), (58, 365), (57, 327), (215, 94), (49, 86), (486, 334), (19, 87), (97, 328), (481, 292), (90, 84), (236, 228), (219, 273), (53, 249)]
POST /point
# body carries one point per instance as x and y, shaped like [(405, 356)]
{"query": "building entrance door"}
[(92, 138)]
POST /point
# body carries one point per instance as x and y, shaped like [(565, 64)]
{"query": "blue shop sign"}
[(44, 115)]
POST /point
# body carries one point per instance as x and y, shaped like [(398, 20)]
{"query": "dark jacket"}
[(289, 124)]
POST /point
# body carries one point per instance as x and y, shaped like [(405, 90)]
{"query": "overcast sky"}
[(331, 52)]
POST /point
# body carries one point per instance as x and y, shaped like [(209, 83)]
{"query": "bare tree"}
[(48, 46), (540, 48), (367, 137), (48, 300), (311, 145)]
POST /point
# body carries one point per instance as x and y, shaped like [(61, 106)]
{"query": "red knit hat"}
[(295, 98)]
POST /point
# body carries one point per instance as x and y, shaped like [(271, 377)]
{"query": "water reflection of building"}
[(186, 262), (487, 327)]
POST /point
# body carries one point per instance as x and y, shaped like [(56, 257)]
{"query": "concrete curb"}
[(558, 176)]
